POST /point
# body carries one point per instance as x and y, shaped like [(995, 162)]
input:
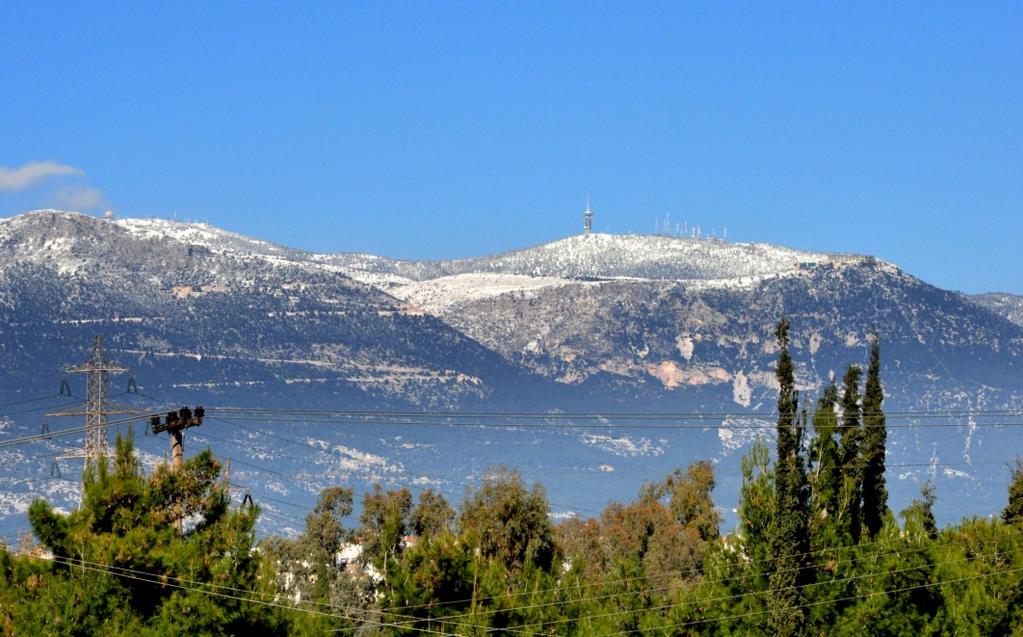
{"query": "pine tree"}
[(875, 492), (126, 526), (850, 456), (790, 537)]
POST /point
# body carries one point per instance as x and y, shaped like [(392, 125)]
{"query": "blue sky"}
[(428, 129)]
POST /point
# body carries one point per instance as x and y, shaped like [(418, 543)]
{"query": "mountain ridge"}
[(657, 276), (1002, 303), (203, 315), (72, 273), (601, 255)]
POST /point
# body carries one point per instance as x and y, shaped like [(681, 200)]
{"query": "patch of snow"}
[(684, 344), (948, 472), (437, 295), (623, 445), (563, 515), (737, 433), (815, 342), (741, 392)]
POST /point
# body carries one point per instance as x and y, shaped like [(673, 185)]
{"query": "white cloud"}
[(28, 174), (81, 198)]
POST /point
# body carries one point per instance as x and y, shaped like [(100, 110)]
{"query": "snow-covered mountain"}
[(590, 322), (1008, 305), (603, 256), (675, 313), (691, 332), (208, 309)]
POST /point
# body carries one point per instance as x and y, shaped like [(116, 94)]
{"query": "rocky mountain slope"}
[(1008, 305), (673, 314), (194, 307), (685, 324), (597, 322)]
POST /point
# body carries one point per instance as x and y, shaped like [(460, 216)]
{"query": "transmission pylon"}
[(97, 409)]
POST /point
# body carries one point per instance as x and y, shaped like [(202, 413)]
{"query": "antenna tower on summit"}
[(96, 370), (587, 218)]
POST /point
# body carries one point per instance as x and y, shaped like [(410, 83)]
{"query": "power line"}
[(32, 400), (680, 424), (250, 596), (449, 479), (689, 571), (271, 498), (48, 435), (45, 407), (608, 582), (544, 471), (519, 425), (827, 602), (262, 468), (315, 485), (153, 578), (653, 589), (590, 415), (307, 446), (696, 570), (10, 442), (768, 591), (463, 483)]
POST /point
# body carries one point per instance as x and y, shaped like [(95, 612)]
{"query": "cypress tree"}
[(1013, 512), (756, 509), (849, 455), (875, 492), (825, 475), (790, 538), (920, 512)]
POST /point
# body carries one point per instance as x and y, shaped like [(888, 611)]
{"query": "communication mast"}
[(97, 410), (587, 218)]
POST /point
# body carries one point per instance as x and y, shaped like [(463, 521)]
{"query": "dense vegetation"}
[(816, 551)]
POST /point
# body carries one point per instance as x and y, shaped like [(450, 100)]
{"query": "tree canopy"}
[(815, 550)]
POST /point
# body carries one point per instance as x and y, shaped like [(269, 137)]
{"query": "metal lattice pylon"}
[(97, 410)]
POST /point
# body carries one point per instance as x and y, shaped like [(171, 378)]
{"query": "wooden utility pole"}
[(175, 424)]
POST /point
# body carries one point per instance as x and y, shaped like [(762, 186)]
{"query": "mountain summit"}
[(588, 323), (608, 256), (651, 313)]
